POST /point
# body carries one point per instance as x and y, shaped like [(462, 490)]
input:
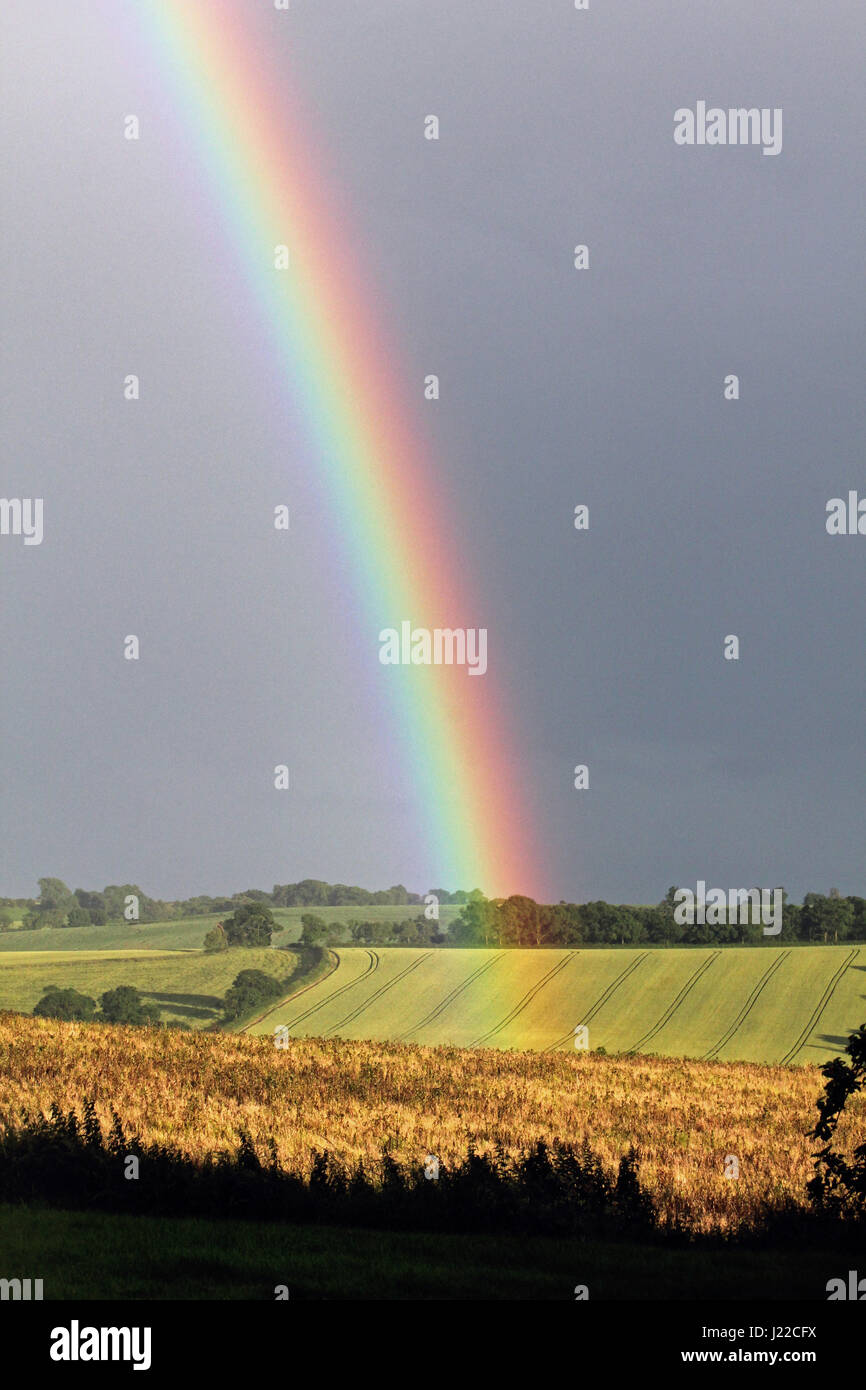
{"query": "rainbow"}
[(451, 730)]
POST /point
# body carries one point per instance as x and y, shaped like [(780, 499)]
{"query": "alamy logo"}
[(737, 126), (717, 908), (444, 646), (21, 1290), (837, 1291), (847, 520), (75, 1343), (22, 516)]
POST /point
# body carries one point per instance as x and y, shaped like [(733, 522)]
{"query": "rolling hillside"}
[(187, 986), (187, 933), (781, 1004)]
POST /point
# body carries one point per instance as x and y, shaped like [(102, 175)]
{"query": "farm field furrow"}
[(643, 997), (491, 999), (830, 1032), (733, 1003), (431, 990), (758, 1004), (373, 1004), (772, 1028), (360, 966), (740, 976)]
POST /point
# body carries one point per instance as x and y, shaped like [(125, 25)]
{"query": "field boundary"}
[(127, 955)]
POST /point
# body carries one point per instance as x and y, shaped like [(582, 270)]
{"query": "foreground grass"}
[(92, 1255), (197, 1092)]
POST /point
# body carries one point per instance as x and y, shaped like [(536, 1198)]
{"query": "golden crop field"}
[(197, 1091)]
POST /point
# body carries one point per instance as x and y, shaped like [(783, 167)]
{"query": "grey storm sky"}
[(558, 387)]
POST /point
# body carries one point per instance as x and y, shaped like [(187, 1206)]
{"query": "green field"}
[(752, 1004), (188, 933), (164, 960), (759, 1004), (187, 986)]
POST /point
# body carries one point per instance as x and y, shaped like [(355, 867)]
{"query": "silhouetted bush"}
[(839, 1184), (67, 1161)]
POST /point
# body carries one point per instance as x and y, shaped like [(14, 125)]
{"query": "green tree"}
[(603, 921), (310, 892), (124, 1005), (251, 925), (858, 921), (36, 918), (216, 939), (313, 929), (250, 989), (520, 923), (416, 931), (663, 927), (53, 893), (826, 919), (565, 924), (840, 1182), (78, 917), (115, 896), (94, 902), (477, 923), (65, 1003)]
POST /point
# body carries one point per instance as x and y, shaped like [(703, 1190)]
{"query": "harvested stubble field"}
[(197, 1092)]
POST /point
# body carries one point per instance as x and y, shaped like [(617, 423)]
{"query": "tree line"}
[(57, 905), (412, 931), (514, 921), (120, 1005), (520, 921)]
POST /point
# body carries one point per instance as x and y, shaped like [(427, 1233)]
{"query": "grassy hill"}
[(187, 986), (761, 1004), (187, 933), (736, 1003)]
